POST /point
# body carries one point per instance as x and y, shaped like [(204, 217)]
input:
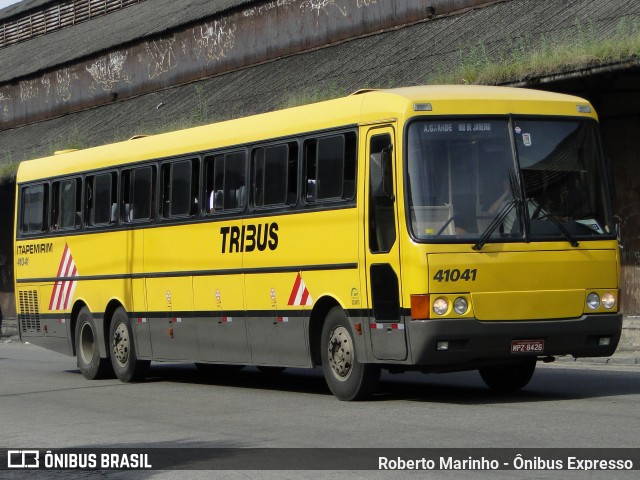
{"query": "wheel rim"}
[(87, 343), (120, 344), (341, 353)]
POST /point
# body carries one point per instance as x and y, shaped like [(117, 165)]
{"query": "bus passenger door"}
[(387, 329)]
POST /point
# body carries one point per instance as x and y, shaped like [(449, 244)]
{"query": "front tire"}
[(347, 378), (91, 365), (126, 365), (510, 377)]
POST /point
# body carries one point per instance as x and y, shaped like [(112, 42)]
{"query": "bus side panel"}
[(45, 330), (57, 334), (43, 309), (140, 322), (303, 258), (173, 334), (221, 329), (277, 332), (102, 271)]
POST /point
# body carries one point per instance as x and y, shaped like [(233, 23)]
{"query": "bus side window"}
[(138, 193), (66, 208), (275, 175), (33, 208), (180, 182), (225, 182), (382, 230), (101, 198), (330, 168)]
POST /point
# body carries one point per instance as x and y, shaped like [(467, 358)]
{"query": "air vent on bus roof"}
[(365, 90)]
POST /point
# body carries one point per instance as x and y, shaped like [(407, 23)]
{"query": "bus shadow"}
[(292, 379), (463, 388)]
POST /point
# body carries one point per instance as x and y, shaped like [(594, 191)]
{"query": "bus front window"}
[(564, 181), (462, 175)]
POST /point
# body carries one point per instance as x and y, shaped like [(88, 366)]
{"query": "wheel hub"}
[(120, 345), (341, 353)]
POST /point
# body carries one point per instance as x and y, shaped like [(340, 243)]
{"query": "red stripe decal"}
[(294, 292)]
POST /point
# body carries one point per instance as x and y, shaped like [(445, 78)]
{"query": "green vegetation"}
[(527, 57), (8, 170), (305, 96)]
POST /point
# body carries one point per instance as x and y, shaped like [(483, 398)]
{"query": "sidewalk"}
[(627, 353)]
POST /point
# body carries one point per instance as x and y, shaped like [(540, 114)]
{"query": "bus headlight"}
[(460, 305), (440, 306), (608, 300), (593, 301)]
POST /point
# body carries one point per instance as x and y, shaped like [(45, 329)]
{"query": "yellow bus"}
[(429, 228)]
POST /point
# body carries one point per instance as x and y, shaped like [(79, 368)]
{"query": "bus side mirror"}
[(387, 173)]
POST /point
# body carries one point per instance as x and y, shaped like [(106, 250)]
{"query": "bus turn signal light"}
[(420, 307)]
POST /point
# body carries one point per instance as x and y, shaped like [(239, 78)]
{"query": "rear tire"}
[(510, 377), (126, 365), (91, 365), (346, 377)]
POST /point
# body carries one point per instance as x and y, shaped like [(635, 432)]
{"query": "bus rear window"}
[(34, 202)]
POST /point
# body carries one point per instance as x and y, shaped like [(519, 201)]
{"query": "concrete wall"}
[(625, 158)]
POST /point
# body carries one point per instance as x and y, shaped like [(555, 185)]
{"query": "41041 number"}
[(468, 275)]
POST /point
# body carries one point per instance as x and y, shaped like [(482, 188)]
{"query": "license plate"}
[(527, 346)]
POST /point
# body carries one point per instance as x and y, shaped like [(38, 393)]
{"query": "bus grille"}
[(29, 311)]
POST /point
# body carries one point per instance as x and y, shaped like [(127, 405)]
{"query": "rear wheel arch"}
[(346, 375), (122, 347), (87, 345), (321, 309), (112, 306), (75, 311)]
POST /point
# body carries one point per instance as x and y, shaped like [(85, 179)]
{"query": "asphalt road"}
[(46, 403)]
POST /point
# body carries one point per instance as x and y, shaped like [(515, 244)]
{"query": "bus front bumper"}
[(452, 344)]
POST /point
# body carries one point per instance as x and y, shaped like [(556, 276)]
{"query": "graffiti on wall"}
[(213, 40), (4, 108), (63, 89), (317, 6), (28, 90), (260, 9), (46, 86), (106, 72), (333, 6), (162, 56)]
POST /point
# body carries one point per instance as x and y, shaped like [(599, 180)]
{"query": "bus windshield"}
[(506, 180)]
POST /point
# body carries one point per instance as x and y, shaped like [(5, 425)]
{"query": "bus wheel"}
[(510, 377), (123, 351), (91, 365), (346, 378)]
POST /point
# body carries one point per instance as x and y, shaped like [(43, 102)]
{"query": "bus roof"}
[(362, 107)]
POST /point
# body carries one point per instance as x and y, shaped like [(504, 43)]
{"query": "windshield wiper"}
[(502, 214), (572, 241), (497, 220)]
